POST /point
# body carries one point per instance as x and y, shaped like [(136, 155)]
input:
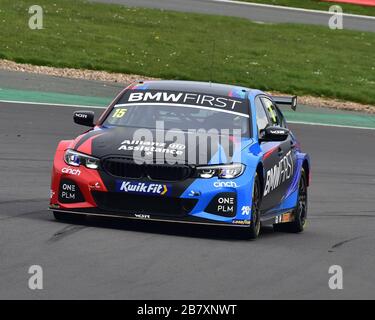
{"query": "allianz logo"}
[(225, 184)]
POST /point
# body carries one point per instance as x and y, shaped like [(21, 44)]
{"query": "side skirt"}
[(277, 217)]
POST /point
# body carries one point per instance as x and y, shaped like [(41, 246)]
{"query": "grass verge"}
[(299, 59), (319, 5)]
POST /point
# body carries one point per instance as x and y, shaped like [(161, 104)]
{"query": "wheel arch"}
[(306, 167)]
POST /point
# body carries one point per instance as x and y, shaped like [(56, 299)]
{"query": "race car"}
[(185, 152)]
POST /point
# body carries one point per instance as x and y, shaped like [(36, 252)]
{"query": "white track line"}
[(329, 125), (251, 4), (52, 104), (96, 107)]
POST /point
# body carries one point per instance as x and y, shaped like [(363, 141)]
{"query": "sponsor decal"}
[(286, 217), (241, 222), (194, 193), (185, 98), (225, 184), (81, 115), (95, 185), (245, 210), (142, 216), (280, 131), (188, 99), (69, 192), (74, 172), (280, 173), (143, 187), (223, 204), (51, 193), (150, 147)]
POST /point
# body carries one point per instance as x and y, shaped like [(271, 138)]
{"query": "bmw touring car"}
[(186, 152)]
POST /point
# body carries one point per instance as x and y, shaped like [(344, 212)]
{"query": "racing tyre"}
[(254, 229), (68, 217), (300, 212)]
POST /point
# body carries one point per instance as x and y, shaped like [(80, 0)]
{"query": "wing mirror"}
[(274, 134), (85, 118)]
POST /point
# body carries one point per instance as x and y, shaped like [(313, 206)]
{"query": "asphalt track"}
[(141, 260), (255, 12)]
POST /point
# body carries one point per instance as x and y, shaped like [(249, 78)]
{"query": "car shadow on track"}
[(173, 229)]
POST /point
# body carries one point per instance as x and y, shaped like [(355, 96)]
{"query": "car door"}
[(270, 154), (289, 155), (277, 159)]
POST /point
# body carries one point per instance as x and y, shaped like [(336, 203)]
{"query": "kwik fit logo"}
[(142, 187)]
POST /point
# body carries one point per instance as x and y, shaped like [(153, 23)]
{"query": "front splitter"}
[(157, 219)]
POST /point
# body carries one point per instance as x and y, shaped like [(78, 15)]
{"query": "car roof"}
[(194, 86)]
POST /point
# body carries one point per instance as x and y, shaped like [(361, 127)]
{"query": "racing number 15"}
[(119, 113)]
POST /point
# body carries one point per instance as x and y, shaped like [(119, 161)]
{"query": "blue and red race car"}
[(186, 152)]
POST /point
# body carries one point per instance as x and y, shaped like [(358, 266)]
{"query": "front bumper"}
[(199, 201)]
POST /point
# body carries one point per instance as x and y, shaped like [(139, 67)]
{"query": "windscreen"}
[(180, 110)]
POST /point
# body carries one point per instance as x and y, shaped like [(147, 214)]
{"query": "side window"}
[(272, 112), (281, 117), (262, 119)]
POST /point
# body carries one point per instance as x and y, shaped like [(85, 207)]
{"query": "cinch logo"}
[(142, 187), (75, 172), (225, 184)]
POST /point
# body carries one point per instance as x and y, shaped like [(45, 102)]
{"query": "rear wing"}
[(286, 101)]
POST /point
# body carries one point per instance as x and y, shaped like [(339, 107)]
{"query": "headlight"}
[(74, 158), (229, 171)]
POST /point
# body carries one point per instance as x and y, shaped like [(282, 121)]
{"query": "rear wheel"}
[(69, 217), (300, 212), (255, 210)]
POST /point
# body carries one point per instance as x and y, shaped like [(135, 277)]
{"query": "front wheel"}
[(255, 210)]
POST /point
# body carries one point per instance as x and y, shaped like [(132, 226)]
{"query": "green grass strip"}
[(297, 59), (337, 118), (51, 98)]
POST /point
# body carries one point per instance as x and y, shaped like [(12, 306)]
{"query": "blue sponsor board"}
[(151, 188)]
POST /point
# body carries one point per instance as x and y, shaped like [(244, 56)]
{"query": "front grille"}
[(133, 203), (126, 168)]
